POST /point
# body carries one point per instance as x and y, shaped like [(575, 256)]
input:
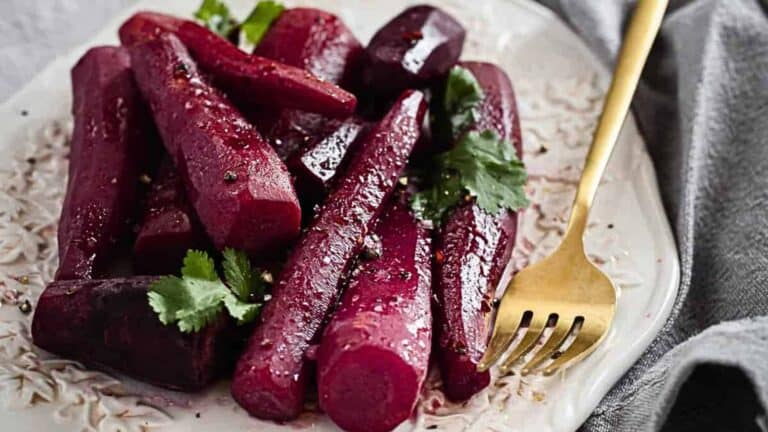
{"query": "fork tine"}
[(588, 338), (500, 340), (535, 329), (558, 336)]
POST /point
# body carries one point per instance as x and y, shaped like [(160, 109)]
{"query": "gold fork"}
[(566, 286)]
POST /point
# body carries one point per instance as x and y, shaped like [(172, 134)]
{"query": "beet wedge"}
[(413, 50), (317, 165), (321, 44), (240, 189), (251, 81), (112, 137), (109, 324), (271, 377), (169, 226), (474, 250), (374, 353)]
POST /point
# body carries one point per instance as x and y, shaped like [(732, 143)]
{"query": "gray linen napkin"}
[(703, 109)]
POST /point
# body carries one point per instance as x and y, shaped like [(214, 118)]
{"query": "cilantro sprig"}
[(196, 299), (481, 166), (216, 15)]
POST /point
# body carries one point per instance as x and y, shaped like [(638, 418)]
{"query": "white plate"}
[(560, 86)]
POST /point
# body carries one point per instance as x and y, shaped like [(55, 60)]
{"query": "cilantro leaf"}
[(240, 276), (216, 16), (260, 19), (480, 166), (196, 299), (462, 96)]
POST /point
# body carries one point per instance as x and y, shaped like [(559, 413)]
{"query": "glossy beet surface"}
[(169, 226), (315, 41), (112, 136), (474, 249), (271, 377), (315, 166), (251, 81), (240, 190), (374, 353), (109, 324), (321, 44), (414, 49)]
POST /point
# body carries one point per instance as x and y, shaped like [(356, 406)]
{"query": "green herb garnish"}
[(462, 96), (260, 19), (216, 16), (481, 166), (195, 299)]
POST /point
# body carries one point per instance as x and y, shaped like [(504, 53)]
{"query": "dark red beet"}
[(317, 164), (476, 247), (109, 324), (112, 137), (374, 353), (251, 81), (414, 49), (320, 43), (315, 41), (240, 190), (169, 226), (271, 377)]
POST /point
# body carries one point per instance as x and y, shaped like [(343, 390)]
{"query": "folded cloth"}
[(703, 110)]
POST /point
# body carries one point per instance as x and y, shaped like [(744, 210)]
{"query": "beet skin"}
[(475, 248), (109, 324), (414, 49), (169, 227), (374, 353), (251, 81), (271, 377), (241, 191), (112, 137)]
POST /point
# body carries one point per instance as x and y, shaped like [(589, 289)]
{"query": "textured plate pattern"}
[(560, 87)]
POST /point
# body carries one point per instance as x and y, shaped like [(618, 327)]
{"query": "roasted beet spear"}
[(316, 41), (108, 323), (112, 136), (251, 81), (320, 43), (474, 248), (270, 378), (374, 353), (241, 191), (169, 226), (414, 49)]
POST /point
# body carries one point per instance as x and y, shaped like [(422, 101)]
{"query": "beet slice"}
[(315, 41), (240, 190), (251, 81), (315, 166), (109, 324), (112, 138), (321, 44), (169, 227), (374, 353), (474, 247), (414, 49), (270, 378)]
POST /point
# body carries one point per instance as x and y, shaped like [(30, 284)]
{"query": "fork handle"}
[(638, 40)]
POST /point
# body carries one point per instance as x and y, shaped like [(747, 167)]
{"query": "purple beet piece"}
[(250, 80), (474, 248), (374, 353), (271, 377), (240, 189), (169, 227), (415, 49), (108, 324), (112, 137), (315, 166)]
